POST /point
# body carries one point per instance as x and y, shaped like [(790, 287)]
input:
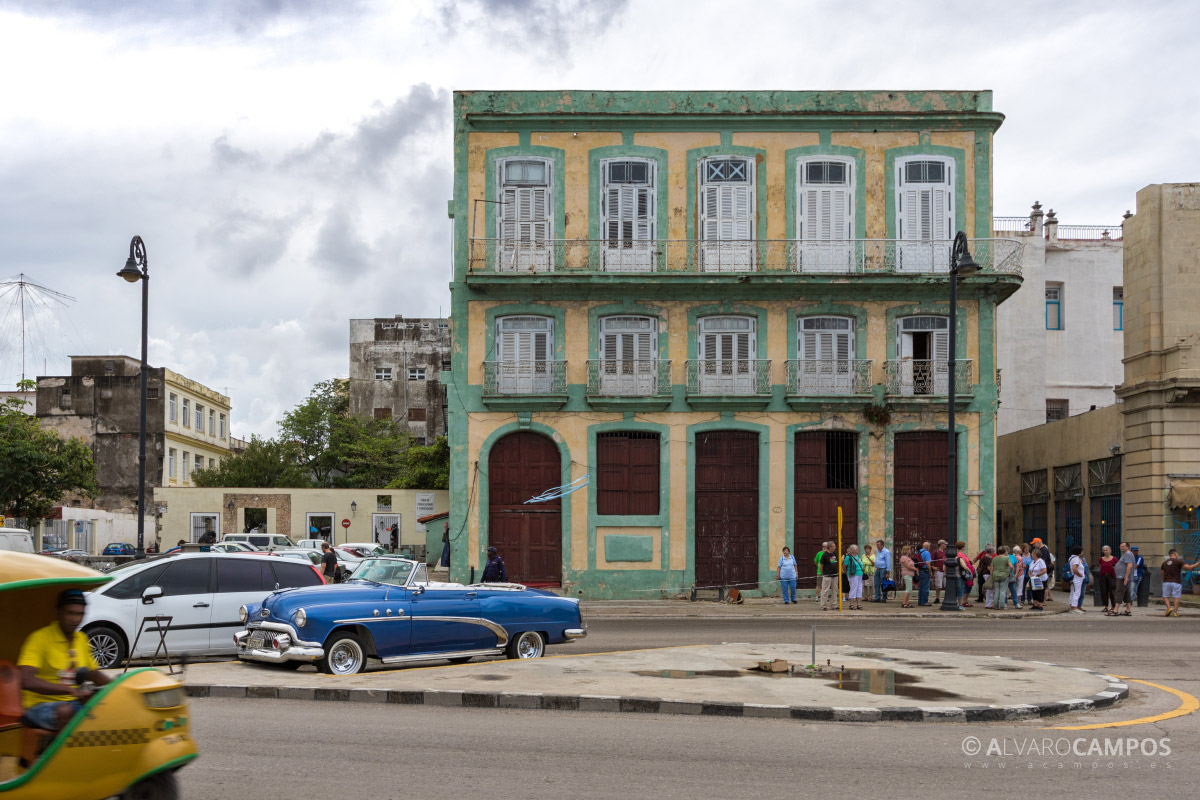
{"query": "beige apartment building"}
[(195, 428)]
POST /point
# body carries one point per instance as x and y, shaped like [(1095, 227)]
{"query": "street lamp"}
[(961, 263), (137, 269)]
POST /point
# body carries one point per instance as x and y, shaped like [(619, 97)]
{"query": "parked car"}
[(119, 549), (233, 547), (389, 610), (201, 592), (16, 539), (72, 554), (363, 549), (314, 544), (262, 541)]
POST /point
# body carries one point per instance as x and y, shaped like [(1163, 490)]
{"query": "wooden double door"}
[(825, 477), (920, 501), (528, 536), (726, 513)]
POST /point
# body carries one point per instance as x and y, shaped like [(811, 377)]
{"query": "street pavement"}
[(288, 749)]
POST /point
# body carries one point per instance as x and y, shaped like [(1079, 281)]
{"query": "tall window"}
[(628, 205), (629, 355), (525, 222), (1035, 495), (184, 463), (221, 429), (627, 471), (727, 214), (825, 218), (1054, 310), (825, 347), (212, 423), (171, 456), (187, 413), (924, 351), (727, 349), (1118, 308), (199, 463), (199, 418), (1057, 409), (173, 406), (524, 349), (924, 213)]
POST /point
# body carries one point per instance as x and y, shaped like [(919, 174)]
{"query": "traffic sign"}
[(345, 523)]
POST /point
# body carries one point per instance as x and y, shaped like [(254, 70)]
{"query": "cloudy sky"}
[(288, 162)]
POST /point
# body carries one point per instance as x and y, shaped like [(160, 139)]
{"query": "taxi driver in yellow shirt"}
[(56, 667)]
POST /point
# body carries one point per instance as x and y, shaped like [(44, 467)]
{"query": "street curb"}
[(1116, 691)]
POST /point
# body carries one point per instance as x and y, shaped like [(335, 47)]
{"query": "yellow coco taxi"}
[(130, 737)]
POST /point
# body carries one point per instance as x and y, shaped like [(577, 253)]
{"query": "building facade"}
[(724, 317), (100, 402), (395, 372), (1061, 337)]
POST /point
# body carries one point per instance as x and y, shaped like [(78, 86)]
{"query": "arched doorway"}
[(529, 537)]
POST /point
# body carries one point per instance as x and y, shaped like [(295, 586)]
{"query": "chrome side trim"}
[(501, 634), (443, 656), (400, 618)]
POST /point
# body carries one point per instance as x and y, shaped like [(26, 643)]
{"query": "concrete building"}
[(395, 372), (1060, 337), (27, 401), (337, 515), (726, 311), (1161, 391), (186, 424)]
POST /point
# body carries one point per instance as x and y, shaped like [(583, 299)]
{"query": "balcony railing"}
[(729, 376), (502, 378), (629, 377), (836, 257), (914, 377), (829, 376)]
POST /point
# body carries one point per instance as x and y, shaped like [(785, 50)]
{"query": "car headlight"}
[(301, 618), (164, 698), (243, 614)]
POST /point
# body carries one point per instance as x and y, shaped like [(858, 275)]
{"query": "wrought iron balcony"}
[(508, 378), (830, 376), (835, 257), (915, 377), (629, 377), (729, 377)]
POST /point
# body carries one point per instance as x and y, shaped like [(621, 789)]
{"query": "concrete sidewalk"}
[(722, 680), (805, 609)]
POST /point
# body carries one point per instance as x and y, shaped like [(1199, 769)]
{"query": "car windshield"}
[(384, 570)]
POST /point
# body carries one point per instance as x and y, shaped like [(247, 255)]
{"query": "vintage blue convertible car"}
[(390, 611)]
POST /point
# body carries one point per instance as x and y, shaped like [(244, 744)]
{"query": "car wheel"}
[(459, 660), (529, 644), (344, 655), (162, 786), (108, 647)]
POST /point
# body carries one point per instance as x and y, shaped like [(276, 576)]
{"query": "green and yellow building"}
[(729, 311)]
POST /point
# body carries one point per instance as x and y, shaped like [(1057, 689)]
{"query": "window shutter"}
[(709, 347), (941, 345), (643, 475), (540, 346), (911, 218), (939, 227), (742, 224), (810, 341), (709, 213), (743, 346), (612, 478), (842, 347)]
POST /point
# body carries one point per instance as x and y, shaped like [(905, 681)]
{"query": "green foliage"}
[(312, 427), (37, 466), (265, 463), (425, 467)]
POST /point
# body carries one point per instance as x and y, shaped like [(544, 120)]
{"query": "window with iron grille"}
[(627, 473), (383, 413), (1035, 495), (826, 461), (416, 415), (1056, 409)]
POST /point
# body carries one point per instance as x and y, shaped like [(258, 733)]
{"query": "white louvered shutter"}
[(941, 357)]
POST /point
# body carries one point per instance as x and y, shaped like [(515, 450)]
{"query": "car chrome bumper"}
[(284, 650), (574, 633)]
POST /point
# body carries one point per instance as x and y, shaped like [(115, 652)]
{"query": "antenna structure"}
[(20, 290)]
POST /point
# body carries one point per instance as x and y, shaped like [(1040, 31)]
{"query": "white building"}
[(1060, 337)]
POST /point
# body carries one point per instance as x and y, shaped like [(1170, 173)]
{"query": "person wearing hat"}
[(494, 571), (55, 664)]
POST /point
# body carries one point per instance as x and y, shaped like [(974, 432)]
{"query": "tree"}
[(425, 467), (313, 425), (37, 466), (265, 463), (369, 452)]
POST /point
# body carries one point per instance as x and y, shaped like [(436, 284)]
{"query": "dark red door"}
[(529, 537), (727, 509), (919, 494), (826, 477)]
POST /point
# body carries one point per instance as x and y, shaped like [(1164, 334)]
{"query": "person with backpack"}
[(853, 567), (1078, 575)]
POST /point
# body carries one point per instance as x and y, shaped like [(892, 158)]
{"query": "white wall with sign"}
[(426, 505)]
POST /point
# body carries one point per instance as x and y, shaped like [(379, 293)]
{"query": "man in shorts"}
[(1172, 583), (1125, 568)]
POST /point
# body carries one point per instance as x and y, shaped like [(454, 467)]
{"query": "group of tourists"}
[(1018, 577)]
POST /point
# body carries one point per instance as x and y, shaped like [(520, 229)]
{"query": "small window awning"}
[(1185, 492)]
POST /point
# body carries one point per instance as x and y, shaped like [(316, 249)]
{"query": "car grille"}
[(261, 639)]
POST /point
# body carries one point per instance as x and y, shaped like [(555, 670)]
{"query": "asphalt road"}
[(291, 749)]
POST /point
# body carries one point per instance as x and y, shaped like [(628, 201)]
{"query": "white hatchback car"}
[(200, 592)]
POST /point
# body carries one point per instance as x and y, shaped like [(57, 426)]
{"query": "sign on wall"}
[(425, 507)]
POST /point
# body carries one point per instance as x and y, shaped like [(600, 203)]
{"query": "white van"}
[(16, 539), (263, 541)]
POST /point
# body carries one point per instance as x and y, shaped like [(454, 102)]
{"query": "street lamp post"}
[(137, 269), (961, 263)]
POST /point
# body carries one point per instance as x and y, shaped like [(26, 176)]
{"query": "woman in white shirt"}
[(1039, 577), (1077, 573)]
